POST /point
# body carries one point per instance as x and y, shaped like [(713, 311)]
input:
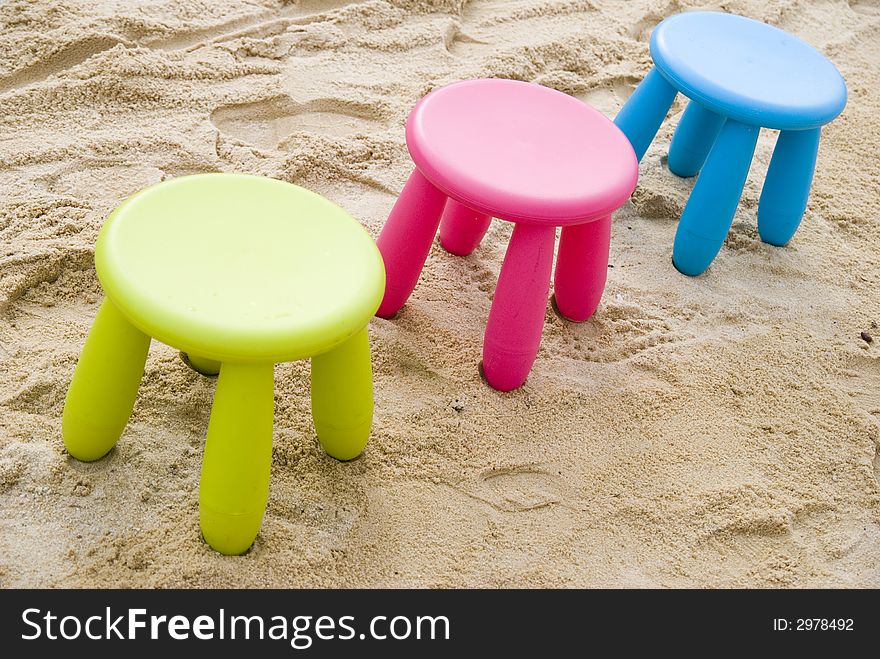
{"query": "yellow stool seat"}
[(243, 268), (239, 272)]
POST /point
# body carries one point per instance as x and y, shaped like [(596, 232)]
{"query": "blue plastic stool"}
[(741, 75)]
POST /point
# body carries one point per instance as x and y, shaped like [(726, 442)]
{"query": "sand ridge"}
[(718, 431)]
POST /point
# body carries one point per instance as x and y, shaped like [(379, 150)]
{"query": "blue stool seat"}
[(748, 70), (741, 75)]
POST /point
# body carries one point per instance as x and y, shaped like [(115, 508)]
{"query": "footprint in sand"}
[(868, 7), (268, 123), (862, 383), (641, 29), (518, 489), (609, 95)]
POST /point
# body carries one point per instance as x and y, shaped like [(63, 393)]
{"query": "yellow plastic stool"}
[(240, 273)]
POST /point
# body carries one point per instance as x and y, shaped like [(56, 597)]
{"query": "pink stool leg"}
[(516, 319), (462, 228), (581, 268), (406, 240)]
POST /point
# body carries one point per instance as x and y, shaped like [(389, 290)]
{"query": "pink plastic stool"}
[(523, 153)]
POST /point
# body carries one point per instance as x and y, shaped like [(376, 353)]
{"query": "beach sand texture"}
[(717, 431)]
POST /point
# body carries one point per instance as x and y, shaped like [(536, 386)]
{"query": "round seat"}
[(747, 70), (521, 152), (239, 268)]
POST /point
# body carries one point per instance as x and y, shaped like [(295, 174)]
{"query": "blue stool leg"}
[(641, 116), (693, 139), (709, 212), (787, 186)]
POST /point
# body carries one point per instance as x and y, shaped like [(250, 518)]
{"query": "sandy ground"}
[(717, 431)]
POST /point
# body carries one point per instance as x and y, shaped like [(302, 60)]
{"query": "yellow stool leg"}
[(203, 365), (238, 457), (104, 385), (342, 397)]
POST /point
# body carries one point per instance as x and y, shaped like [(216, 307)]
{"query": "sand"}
[(715, 432)]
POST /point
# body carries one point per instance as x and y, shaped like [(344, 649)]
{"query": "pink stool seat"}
[(523, 153)]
